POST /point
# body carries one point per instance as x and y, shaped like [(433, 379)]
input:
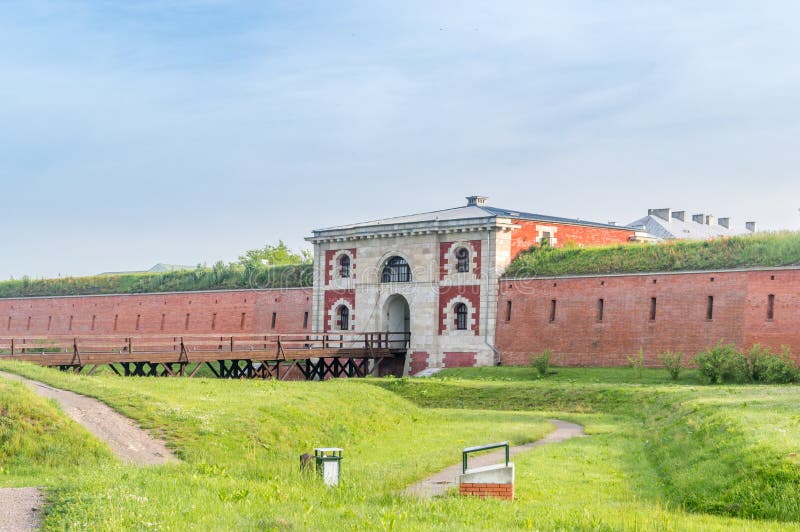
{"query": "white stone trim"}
[(333, 316), (449, 319), (336, 268), (451, 263), (540, 230), (377, 275)]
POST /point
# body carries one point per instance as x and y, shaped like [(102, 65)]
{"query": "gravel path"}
[(446, 479), (129, 442), (19, 509)]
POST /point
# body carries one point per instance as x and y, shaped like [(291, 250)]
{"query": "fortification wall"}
[(601, 320), (223, 311)]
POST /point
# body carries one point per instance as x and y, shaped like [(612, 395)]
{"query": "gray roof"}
[(471, 212), (688, 229)]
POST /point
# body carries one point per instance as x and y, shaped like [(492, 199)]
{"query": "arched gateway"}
[(397, 319)]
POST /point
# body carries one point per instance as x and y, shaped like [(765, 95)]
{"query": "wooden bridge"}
[(293, 356)]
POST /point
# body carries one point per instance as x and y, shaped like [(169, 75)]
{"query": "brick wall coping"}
[(175, 292), (643, 274)]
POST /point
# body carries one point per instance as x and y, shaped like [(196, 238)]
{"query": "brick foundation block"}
[(497, 491)]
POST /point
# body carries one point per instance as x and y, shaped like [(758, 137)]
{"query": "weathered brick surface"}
[(333, 298), (449, 295), (226, 312), (497, 491), (332, 267), (528, 235), (578, 337), (418, 362), (459, 359), (446, 256)]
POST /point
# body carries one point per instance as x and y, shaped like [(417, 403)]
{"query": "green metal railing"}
[(465, 453)]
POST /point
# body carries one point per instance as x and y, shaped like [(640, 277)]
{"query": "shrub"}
[(722, 363), (542, 362), (756, 363), (637, 362), (779, 369), (673, 362)]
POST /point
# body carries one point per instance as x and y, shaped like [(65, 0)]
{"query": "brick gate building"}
[(434, 275)]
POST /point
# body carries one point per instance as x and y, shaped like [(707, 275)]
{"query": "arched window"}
[(344, 318), (462, 256), (396, 270), (461, 317), (344, 266)]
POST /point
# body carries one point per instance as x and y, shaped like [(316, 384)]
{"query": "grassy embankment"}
[(219, 277), (758, 250), (726, 450), (654, 449)]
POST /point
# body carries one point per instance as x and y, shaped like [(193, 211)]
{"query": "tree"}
[(278, 255)]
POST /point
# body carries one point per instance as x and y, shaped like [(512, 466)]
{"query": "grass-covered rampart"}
[(759, 250), (218, 277), (273, 266)]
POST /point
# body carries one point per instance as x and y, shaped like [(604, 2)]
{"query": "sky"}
[(186, 132)]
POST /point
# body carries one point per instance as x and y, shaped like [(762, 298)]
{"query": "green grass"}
[(219, 277), (38, 441), (728, 450), (240, 442), (759, 250)]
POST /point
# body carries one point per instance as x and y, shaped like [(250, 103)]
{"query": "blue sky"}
[(163, 131)]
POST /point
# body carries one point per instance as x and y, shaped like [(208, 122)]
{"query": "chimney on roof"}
[(699, 218), (476, 201), (751, 226), (679, 215), (710, 220), (725, 222), (664, 214)]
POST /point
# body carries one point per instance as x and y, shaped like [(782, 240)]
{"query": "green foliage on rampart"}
[(270, 267), (749, 251)]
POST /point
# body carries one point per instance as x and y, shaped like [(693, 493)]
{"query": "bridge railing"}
[(170, 343)]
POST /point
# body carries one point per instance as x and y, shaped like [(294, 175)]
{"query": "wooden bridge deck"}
[(319, 355)]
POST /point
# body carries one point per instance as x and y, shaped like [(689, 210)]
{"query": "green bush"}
[(722, 363), (673, 362), (756, 362), (761, 249), (542, 362), (762, 366), (779, 369)]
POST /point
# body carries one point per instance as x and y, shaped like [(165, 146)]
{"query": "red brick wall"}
[(497, 491), (577, 337), (246, 311), (332, 296), (527, 236), (419, 361), (784, 328), (444, 249), (459, 359), (331, 270), (471, 293)]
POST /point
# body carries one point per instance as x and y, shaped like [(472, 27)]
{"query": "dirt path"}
[(129, 442), (446, 479), (19, 509)]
